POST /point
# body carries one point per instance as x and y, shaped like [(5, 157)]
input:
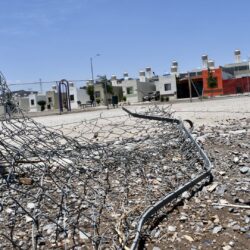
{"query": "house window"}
[(239, 68), (32, 102), (49, 99), (167, 86), (72, 97), (129, 90), (97, 94)]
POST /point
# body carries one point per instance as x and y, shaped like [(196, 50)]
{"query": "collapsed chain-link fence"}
[(88, 183)]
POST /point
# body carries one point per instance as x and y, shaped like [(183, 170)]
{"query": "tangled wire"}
[(87, 183)]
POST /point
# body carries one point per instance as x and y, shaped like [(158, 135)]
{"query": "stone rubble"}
[(213, 226)]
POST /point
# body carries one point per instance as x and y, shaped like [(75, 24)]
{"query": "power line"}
[(40, 82)]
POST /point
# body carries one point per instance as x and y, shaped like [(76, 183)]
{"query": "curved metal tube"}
[(167, 199), (65, 83)]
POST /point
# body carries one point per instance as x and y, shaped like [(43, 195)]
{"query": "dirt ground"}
[(199, 222), (206, 112), (222, 127)]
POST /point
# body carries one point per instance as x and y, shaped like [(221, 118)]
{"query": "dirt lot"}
[(199, 222), (207, 112), (218, 215)]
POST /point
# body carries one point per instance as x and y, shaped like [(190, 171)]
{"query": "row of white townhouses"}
[(133, 89)]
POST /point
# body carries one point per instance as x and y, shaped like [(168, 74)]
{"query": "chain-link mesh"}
[(87, 183)]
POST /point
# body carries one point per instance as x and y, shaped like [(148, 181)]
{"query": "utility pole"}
[(41, 85), (92, 72), (189, 87), (92, 75)]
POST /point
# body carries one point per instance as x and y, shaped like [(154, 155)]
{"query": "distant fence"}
[(40, 86)]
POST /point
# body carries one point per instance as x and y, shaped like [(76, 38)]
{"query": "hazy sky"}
[(54, 39)]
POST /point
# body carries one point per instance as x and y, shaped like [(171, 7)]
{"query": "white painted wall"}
[(36, 97), (73, 91), (128, 84), (140, 89), (79, 95), (82, 96), (160, 85), (33, 105)]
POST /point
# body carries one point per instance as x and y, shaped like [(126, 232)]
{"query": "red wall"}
[(230, 86), (213, 91)]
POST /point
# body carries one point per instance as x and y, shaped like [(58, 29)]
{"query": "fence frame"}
[(170, 197)]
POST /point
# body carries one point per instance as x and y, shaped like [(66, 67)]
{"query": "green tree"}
[(42, 103), (106, 84), (90, 92), (110, 89), (211, 80)]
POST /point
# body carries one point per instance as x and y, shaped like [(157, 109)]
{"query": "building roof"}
[(246, 63), (23, 93)]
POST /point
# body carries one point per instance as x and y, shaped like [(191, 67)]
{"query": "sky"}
[(55, 39)]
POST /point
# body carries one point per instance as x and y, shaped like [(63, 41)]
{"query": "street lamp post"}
[(92, 75), (92, 72)]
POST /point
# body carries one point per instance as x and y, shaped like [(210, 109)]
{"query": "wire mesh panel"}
[(87, 183)]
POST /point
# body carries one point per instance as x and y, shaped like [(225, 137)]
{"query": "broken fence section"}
[(149, 212), (94, 183)]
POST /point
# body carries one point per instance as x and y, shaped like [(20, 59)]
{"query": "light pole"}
[(92, 75), (41, 85)]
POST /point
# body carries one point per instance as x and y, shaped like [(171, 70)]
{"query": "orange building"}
[(212, 82)]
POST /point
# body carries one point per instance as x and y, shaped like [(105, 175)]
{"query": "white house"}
[(135, 89), (33, 101), (77, 95), (167, 86)]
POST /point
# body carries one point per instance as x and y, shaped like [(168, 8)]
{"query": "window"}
[(72, 97), (129, 90), (239, 68), (49, 99), (97, 94), (32, 102), (167, 86)]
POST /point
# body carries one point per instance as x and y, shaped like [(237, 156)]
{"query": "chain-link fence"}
[(89, 184)]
